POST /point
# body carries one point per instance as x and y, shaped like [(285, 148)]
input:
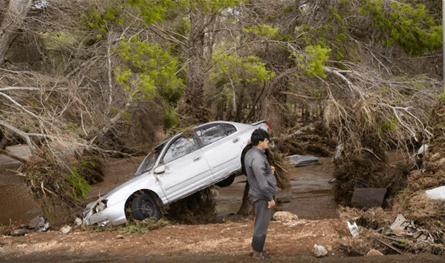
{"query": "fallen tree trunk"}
[(22, 134), (15, 157)]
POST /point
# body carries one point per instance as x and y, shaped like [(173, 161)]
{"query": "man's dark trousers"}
[(262, 218)]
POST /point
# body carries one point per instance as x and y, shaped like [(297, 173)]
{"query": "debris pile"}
[(390, 237), (306, 140), (413, 221)]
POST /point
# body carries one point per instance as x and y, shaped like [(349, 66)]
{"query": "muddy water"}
[(15, 204), (311, 195)]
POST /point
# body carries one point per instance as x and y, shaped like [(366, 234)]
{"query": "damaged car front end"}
[(111, 209)]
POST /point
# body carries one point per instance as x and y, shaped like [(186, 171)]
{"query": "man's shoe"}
[(260, 255)]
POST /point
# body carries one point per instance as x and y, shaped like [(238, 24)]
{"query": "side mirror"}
[(159, 169)]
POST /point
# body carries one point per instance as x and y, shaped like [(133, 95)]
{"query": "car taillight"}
[(268, 125)]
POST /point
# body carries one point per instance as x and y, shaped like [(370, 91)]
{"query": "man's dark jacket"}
[(263, 185)]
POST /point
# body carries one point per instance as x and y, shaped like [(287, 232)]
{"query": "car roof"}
[(161, 145)]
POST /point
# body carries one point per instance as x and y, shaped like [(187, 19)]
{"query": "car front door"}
[(186, 169), (221, 146)]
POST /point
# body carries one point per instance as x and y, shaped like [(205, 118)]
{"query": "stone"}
[(374, 252), (34, 223), (285, 216), (119, 237), (20, 232), (320, 251), (65, 229)]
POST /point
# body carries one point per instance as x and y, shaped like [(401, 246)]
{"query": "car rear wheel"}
[(143, 206), (226, 182)]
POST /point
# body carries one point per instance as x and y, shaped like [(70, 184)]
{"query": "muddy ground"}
[(311, 199)]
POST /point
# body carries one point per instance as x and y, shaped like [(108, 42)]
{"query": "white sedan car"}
[(177, 168)]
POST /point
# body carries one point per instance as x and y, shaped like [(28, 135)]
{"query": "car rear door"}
[(186, 169), (221, 147)]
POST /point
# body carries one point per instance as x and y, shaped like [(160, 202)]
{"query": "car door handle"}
[(235, 140), (197, 158)]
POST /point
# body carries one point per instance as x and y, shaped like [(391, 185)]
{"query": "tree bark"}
[(13, 21), (246, 206), (195, 85)]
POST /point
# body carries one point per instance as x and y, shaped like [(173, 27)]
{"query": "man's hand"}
[(272, 168), (271, 204)]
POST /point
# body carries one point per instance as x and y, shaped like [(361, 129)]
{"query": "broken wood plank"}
[(389, 245)]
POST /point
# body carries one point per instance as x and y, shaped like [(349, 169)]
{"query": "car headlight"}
[(101, 206)]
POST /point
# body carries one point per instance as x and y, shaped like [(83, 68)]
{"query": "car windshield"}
[(148, 162)]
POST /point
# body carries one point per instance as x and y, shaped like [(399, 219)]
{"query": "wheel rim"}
[(146, 208)]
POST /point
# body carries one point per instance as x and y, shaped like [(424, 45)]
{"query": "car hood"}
[(124, 190)]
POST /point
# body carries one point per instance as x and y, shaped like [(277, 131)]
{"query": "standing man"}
[(263, 189)]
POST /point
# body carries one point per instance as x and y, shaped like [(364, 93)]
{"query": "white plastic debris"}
[(43, 225), (353, 228), (78, 221), (423, 149), (320, 251), (436, 193)]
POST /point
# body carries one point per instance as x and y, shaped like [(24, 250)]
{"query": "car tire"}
[(246, 149), (143, 206), (226, 182)]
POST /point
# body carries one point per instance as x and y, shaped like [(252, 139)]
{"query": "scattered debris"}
[(320, 251), (43, 224), (78, 221), (302, 160), (353, 228), (422, 150), (65, 229), (407, 229), (374, 252), (436, 193), (368, 197)]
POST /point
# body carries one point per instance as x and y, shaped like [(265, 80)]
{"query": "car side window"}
[(179, 148), (215, 132)]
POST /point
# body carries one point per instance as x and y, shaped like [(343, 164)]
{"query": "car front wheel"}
[(143, 206)]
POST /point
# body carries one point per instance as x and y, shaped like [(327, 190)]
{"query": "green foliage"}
[(152, 11), (170, 117), (148, 68), (155, 11), (72, 127), (80, 186), (101, 21), (313, 61), (262, 30), (132, 227), (393, 123), (412, 28), (247, 69)]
